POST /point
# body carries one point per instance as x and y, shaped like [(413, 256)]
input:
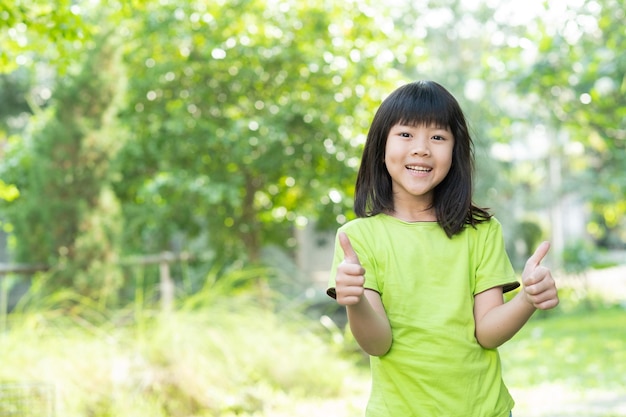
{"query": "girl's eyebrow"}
[(433, 126)]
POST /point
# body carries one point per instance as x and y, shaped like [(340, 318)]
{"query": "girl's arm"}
[(366, 315), (369, 324), (496, 321)]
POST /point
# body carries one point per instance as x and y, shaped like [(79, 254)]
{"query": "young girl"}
[(423, 270)]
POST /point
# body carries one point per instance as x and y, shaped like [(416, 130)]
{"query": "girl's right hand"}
[(350, 275)]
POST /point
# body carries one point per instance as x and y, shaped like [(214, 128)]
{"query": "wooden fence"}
[(164, 260)]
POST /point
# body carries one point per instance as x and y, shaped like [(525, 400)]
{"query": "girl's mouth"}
[(418, 168)]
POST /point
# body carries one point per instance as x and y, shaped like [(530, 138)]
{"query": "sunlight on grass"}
[(218, 355), (235, 360), (569, 365)]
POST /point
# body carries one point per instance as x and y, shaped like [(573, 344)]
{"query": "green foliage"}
[(527, 235), (244, 118), (220, 286), (577, 81), (40, 29), (66, 214), (14, 93), (8, 192), (228, 358), (579, 256)]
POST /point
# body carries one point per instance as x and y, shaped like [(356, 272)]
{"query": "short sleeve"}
[(494, 267)]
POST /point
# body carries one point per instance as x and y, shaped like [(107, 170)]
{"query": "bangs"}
[(421, 103)]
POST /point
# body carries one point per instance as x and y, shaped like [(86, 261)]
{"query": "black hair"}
[(417, 103)]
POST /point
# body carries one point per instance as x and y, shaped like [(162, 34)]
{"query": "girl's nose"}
[(420, 147)]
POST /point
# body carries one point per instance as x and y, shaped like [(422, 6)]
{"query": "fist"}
[(539, 286), (350, 275)]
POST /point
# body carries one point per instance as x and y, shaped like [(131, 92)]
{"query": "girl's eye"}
[(405, 135), (437, 137)]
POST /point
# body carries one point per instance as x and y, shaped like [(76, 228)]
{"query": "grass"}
[(585, 349), (229, 359), (569, 364), (220, 355)]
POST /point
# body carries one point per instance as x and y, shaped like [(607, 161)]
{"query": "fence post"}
[(166, 284), (4, 303), (6, 269)]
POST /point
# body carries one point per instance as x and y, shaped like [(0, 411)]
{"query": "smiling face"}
[(417, 158)]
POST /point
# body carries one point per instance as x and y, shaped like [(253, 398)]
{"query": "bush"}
[(231, 358)]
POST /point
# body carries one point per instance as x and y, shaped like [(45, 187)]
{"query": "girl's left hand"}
[(539, 286)]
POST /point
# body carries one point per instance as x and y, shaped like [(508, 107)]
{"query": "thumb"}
[(349, 255), (535, 259)]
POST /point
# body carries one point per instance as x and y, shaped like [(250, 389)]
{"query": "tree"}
[(66, 214), (577, 80), (246, 119), (297, 83), (37, 30)]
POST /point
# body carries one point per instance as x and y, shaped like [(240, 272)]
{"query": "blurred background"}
[(172, 175)]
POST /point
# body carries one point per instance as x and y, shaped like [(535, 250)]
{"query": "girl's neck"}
[(414, 215)]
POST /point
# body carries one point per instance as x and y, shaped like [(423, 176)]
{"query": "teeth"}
[(419, 169)]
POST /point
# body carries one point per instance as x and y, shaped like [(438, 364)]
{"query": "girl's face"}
[(417, 158)]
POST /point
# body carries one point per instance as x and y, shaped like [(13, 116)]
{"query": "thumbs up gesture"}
[(539, 287), (350, 275)]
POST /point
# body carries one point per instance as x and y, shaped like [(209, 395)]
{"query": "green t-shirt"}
[(427, 283)]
